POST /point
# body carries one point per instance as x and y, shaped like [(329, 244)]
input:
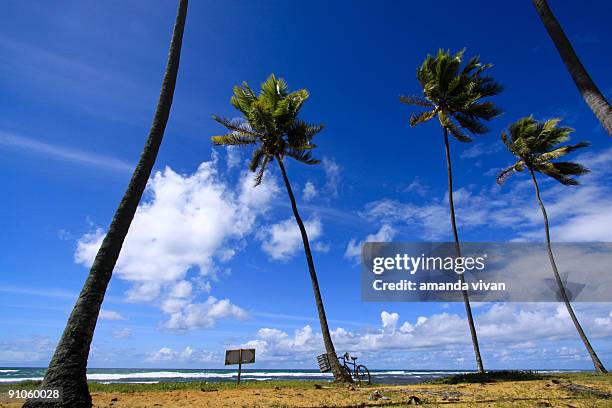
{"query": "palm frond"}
[(456, 91), (258, 155), (561, 151), (270, 121), (416, 100), (233, 139), (508, 171), (243, 97), (421, 117), (551, 170), (236, 125), (456, 132), (303, 156), (262, 170), (470, 123)]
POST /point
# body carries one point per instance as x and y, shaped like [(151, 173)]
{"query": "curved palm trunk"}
[(589, 91), (599, 367), (466, 299), (68, 366), (339, 373)]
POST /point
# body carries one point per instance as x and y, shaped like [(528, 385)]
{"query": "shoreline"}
[(505, 389)]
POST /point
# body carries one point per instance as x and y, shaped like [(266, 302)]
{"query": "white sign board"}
[(240, 356)]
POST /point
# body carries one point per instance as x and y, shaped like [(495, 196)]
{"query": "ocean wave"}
[(11, 380), (155, 374), (131, 382), (195, 375)]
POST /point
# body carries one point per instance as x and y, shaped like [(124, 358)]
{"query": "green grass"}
[(495, 376), (500, 376), (488, 377), (201, 386), (174, 386)]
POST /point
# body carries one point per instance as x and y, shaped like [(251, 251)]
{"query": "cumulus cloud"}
[(189, 222), (384, 234), (283, 240), (524, 328), (205, 314), (276, 345), (110, 315), (186, 355)]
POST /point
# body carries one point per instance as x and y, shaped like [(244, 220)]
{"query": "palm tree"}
[(271, 123), (68, 366), (587, 88), (535, 144), (455, 96)]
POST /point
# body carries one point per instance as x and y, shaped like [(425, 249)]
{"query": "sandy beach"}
[(581, 390)]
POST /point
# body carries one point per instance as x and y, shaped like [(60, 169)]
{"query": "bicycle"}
[(359, 373)]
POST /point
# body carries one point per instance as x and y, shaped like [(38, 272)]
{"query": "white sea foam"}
[(178, 374), (11, 380), (9, 371)]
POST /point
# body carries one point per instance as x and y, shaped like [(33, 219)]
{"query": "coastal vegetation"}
[(271, 123), (455, 95), (536, 146)]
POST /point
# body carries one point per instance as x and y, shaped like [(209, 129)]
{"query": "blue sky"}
[(210, 263)]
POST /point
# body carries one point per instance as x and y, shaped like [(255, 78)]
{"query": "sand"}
[(533, 393)]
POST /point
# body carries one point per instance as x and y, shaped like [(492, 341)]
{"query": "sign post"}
[(240, 356)]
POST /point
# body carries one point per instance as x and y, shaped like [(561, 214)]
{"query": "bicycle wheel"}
[(362, 375), (347, 371)]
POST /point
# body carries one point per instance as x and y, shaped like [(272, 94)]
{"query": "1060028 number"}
[(45, 394)]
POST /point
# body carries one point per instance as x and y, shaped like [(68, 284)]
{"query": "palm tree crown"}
[(270, 122), (455, 94), (535, 144)]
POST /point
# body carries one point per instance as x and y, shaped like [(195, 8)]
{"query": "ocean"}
[(144, 376)]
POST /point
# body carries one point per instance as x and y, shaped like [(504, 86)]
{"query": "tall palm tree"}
[(455, 97), (536, 145), (68, 366), (587, 88), (270, 122)]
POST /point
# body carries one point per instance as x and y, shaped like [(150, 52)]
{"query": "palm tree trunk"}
[(339, 373), (67, 369), (466, 299), (589, 91), (599, 367)]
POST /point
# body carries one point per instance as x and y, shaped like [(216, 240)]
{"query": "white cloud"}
[(233, 156), (310, 191), (190, 222), (332, 175), (283, 240), (276, 345), (122, 333), (205, 314), (187, 355), (63, 153), (481, 149), (110, 315), (577, 213), (416, 186), (19, 351), (525, 328), (384, 234)]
